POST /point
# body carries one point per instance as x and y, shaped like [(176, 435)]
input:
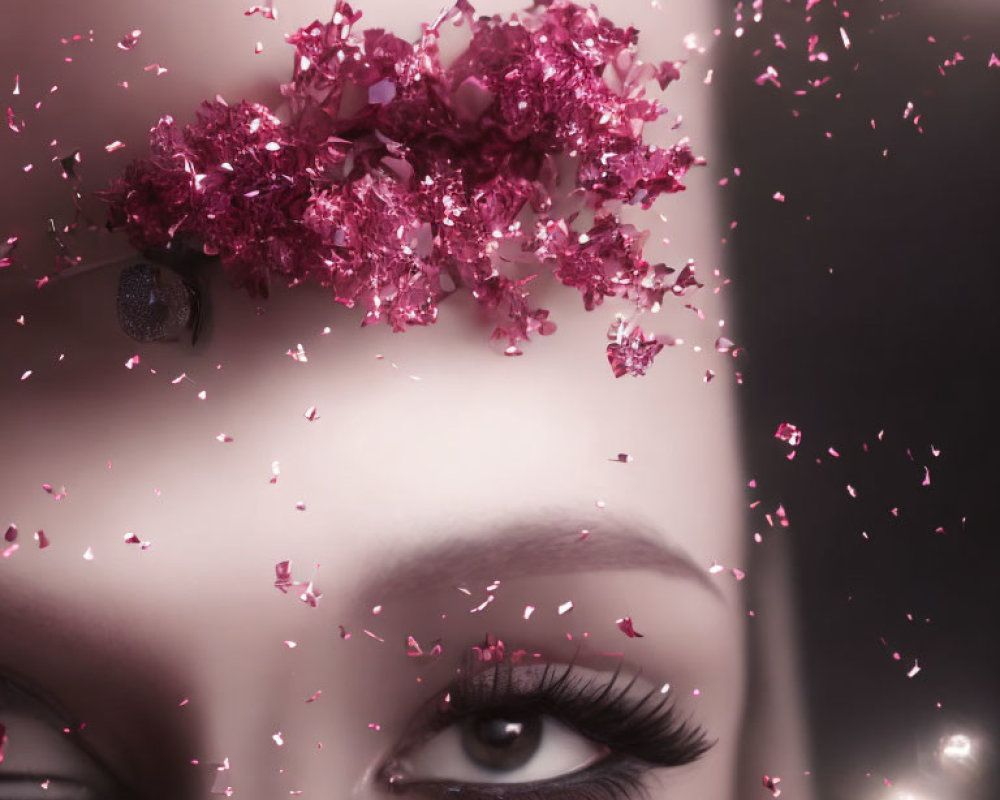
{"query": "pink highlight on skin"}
[(383, 218)]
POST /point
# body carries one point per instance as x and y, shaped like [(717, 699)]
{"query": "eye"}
[(541, 731), (504, 748), (156, 304), (40, 761)]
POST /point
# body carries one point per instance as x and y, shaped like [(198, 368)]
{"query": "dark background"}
[(901, 336)]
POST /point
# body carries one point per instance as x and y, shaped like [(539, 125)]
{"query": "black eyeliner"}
[(597, 708)]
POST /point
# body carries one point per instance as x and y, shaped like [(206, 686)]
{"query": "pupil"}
[(501, 743)]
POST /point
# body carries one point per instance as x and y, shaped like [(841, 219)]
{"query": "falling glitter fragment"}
[(565, 607), (131, 538), (528, 611), (11, 533), (315, 696), (224, 438), (129, 40), (114, 146), (88, 554), (771, 784), (266, 12), (278, 739), (789, 434), (625, 626), (632, 354), (311, 413), (42, 539), (913, 670)]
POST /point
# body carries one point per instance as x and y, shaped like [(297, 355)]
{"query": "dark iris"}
[(501, 743), (155, 304)]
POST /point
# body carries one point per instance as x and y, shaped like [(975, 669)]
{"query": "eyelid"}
[(39, 748), (638, 732)]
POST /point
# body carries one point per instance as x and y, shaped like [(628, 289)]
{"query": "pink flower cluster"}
[(396, 181)]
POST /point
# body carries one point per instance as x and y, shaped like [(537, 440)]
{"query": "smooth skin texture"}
[(430, 454)]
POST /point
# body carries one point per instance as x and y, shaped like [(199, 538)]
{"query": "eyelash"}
[(657, 737)]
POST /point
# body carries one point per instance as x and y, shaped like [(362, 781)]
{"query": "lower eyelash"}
[(613, 778)]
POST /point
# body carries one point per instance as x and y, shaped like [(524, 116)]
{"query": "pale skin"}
[(419, 439)]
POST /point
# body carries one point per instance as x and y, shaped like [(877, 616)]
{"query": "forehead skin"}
[(419, 439)]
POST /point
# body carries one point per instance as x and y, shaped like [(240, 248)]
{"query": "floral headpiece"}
[(396, 181)]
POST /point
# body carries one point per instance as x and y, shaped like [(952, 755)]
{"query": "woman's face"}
[(420, 485)]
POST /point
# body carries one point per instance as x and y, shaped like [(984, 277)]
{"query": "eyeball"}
[(156, 304), (502, 749)]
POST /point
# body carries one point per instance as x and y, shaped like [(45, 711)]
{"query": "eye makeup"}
[(637, 729), (40, 759)]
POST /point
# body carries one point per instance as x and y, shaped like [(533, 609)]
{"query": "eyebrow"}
[(548, 545)]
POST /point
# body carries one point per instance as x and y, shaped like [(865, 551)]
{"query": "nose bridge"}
[(291, 719)]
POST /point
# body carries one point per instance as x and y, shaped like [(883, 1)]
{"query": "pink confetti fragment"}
[(267, 12), (278, 739), (528, 611), (88, 554), (779, 196), (927, 477), (715, 568), (17, 85), (625, 626), (632, 354), (771, 784), (11, 534), (913, 670), (845, 39), (129, 40), (789, 434), (311, 414), (7, 552), (42, 539), (852, 491), (131, 538), (994, 61), (15, 125), (224, 438), (622, 458), (133, 362), (565, 607), (769, 75), (315, 696), (114, 146), (160, 70), (3, 741), (723, 345)]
